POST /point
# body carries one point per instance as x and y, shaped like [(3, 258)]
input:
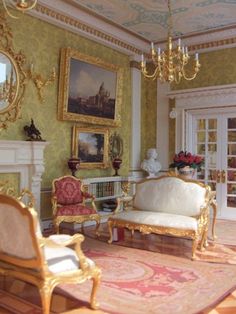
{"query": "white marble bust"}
[(151, 165)]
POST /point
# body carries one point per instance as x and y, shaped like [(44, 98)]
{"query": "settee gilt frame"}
[(199, 237)]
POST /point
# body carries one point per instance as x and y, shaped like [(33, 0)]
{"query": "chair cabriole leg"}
[(194, 246), (46, 294), (96, 281), (56, 224), (97, 227), (110, 231)]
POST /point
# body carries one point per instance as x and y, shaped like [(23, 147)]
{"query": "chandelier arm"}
[(152, 76), (23, 9), (190, 78), (177, 76), (8, 12)]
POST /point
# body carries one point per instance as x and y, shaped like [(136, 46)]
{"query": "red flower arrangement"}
[(183, 159)]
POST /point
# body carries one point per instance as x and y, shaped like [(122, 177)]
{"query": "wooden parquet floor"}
[(226, 306)]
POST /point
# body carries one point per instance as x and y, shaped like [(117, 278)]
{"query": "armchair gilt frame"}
[(59, 217), (25, 253)]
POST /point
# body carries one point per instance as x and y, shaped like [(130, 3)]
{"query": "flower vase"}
[(186, 172)]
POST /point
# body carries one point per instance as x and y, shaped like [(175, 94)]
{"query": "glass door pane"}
[(231, 162), (213, 136), (206, 146)]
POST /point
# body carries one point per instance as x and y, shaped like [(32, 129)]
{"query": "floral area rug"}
[(223, 249), (226, 232), (139, 281), (218, 253), (133, 281)]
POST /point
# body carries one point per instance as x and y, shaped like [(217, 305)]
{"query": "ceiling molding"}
[(135, 64), (80, 22), (91, 26), (199, 97)]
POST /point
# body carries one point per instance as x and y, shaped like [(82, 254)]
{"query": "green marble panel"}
[(12, 180)]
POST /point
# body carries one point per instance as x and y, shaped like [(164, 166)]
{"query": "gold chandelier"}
[(170, 64), (20, 5)]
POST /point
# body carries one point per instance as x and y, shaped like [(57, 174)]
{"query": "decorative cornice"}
[(193, 92), (126, 42), (135, 64), (214, 96), (213, 44), (106, 20), (72, 22), (208, 41)]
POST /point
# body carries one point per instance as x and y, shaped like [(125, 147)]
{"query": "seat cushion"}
[(157, 219), (75, 210), (62, 259)]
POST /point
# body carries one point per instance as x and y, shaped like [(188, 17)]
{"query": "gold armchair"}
[(68, 203), (45, 262)]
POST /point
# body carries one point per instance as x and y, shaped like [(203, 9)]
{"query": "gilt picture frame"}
[(90, 145), (90, 89)]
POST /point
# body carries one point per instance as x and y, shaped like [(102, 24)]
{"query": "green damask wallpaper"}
[(41, 43), (217, 68), (171, 132), (149, 115)]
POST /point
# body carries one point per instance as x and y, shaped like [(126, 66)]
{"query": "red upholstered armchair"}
[(68, 201)]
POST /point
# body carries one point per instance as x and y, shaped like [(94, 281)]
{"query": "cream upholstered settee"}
[(168, 205)]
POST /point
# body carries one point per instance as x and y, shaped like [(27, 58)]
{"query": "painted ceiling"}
[(149, 18)]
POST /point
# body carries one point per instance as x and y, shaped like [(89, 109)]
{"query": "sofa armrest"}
[(122, 203), (63, 240)]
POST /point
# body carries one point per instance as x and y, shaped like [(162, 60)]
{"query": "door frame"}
[(222, 96), (221, 115)]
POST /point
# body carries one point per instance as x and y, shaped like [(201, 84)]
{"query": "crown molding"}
[(135, 64), (66, 14), (72, 18), (213, 96), (213, 40), (210, 41)]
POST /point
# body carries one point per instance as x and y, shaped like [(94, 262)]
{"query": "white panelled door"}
[(212, 134)]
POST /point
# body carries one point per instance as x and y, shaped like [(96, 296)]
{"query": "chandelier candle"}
[(170, 63)]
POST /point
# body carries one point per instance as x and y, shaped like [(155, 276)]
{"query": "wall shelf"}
[(106, 188)]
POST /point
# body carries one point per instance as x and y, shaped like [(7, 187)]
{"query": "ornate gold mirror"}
[(12, 77)]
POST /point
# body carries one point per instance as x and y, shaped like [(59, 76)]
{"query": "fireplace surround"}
[(25, 158)]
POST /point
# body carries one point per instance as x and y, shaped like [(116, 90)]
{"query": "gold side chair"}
[(68, 203), (45, 262)]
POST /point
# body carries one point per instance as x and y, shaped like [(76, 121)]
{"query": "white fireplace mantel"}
[(27, 159)]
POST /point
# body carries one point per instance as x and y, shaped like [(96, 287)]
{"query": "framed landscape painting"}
[(90, 90), (90, 145)]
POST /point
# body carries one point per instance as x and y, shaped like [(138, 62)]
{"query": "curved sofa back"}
[(170, 195)]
